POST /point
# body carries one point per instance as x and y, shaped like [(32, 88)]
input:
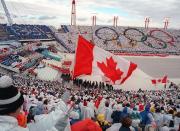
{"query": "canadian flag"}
[(92, 60), (161, 80)]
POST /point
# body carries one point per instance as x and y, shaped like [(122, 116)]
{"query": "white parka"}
[(8, 123), (44, 122)]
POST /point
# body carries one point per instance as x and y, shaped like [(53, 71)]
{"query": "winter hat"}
[(147, 108), (100, 117), (10, 98), (141, 107), (85, 103), (126, 122), (158, 110), (152, 109)]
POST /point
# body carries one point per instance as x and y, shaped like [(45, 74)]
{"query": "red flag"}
[(164, 80), (97, 102), (160, 80), (92, 60), (83, 58), (153, 82)]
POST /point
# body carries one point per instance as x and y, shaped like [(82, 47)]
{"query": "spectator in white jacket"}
[(11, 101)]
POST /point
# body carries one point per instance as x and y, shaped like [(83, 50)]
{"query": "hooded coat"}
[(146, 116), (54, 121)]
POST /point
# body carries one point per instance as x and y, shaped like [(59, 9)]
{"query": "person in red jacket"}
[(22, 119), (86, 125)]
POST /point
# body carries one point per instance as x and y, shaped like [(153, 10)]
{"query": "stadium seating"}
[(65, 29), (135, 40), (8, 60), (23, 32), (3, 34)]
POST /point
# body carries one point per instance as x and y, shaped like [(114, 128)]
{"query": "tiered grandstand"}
[(125, 39), (134, 85), (25, 32), (120, 40), (3, 33)]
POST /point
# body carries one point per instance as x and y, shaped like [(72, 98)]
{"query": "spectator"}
[(126, 123), (10, 107)]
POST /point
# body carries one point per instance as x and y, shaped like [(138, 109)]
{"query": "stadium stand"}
[(119, 40), (65, 29), (3, 34), (134, 40), (21, 32), (61, 41)]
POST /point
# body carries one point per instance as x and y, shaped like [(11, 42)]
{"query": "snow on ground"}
[(47, 73)]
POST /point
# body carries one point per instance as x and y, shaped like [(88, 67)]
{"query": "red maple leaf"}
[(110, 70)]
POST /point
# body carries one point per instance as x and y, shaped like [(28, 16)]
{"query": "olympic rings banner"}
[(138, 40)]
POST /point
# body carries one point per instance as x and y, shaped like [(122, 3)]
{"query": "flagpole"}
[(164, 86), (155, 86), (75, 57)]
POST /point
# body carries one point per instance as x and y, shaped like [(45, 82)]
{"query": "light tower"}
[(73, 13), (166, 23), (147, 21), (10, 21), (94, 20), (115, 21)]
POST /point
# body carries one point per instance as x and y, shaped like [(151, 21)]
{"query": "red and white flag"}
[(92, 60), (161, 80)]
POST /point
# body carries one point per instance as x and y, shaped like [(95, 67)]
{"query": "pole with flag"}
[(92, 60), (160, 81)]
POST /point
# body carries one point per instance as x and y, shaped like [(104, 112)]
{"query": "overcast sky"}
[(130, 12)]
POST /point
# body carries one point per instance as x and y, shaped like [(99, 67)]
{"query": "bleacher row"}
[(125, 39), (23, 32), (135, 40), (29, 55)]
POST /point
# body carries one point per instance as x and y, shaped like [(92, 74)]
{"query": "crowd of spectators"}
[(29, 56), (24, 32), (136, 40), (118, 40), (110, 110)]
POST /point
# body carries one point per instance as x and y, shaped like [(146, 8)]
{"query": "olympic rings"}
[(169, 38), (103, 33), (134, 34), (130, 36), (157, 44)]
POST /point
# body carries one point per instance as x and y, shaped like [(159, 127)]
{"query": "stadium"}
[(50, 65)]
